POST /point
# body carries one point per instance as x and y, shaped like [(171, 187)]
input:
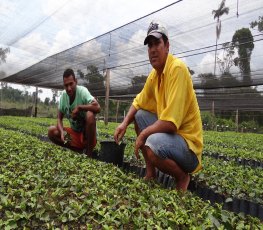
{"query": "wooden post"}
[(107, 85), (213, 116), (36, 101), (117, 110), (213, 107), (237, 120), (1, 96)]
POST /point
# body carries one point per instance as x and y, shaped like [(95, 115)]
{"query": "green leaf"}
[(11, 225), (64, 219), (4, 199), (45, 217), (214, 221), (229, 200)]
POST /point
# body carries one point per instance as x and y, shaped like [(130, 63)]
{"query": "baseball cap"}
[(156, 29)]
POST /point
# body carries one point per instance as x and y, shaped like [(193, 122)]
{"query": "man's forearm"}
[(60, 121), (159, 127), (130, 115), (93, 107), (60, 125)]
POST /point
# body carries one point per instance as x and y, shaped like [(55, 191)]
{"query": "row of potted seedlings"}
[(43, 186), (198, 186)]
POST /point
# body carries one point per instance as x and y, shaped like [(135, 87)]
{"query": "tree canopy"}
[(93, 79), (258, 24), (3, 54), (226, 61), (244, 42)]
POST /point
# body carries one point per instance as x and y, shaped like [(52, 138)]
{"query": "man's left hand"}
[(74, 113), (140, 141)]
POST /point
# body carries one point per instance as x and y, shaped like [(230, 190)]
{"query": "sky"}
[(20, 20), (67, 23)]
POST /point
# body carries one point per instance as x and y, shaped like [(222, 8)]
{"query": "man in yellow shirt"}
[(166, 114)]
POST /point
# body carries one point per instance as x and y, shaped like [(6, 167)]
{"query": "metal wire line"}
[(183, 56), (79, 62), (147, 62)]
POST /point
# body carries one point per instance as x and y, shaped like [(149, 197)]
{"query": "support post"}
[(237, 120), (36, 101), (107, 85), (117, 110), (213, 108), (213, 116), (1, 96)]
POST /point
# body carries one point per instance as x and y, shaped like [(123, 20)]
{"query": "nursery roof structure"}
[(192, 34)]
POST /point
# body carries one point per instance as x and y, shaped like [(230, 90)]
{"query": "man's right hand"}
[(121, 129), (62, 137), (74, 113), (60, 126), (119, 132)]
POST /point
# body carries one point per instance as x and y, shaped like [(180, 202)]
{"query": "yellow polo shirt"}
[(174, 101)]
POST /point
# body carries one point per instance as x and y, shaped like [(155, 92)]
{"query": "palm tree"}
[(217, 14)]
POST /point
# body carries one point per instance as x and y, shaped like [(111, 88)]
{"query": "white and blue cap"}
[(156, 29)]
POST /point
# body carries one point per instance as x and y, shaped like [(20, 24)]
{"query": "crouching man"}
[(80, 108), (166, 114)]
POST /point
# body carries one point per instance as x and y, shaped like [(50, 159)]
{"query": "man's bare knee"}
[(151, 156), (90, 118), (52, 132)]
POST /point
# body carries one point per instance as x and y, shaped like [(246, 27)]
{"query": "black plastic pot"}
[(236, 205), (253, 209), (133, 169), (125, 166), (192, 186), (244, 206), (205, 193), (160, 177), (219, 198), (211, 195), (260, 212), (171, 183), (228, 205), (142, 172), (111, 152), (166, 180)]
